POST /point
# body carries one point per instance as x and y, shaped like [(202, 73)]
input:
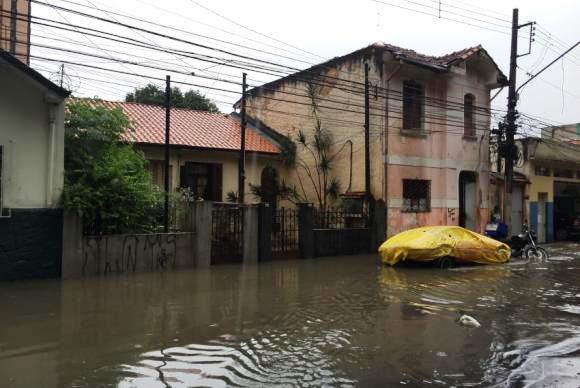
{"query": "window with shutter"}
[(413, 105)]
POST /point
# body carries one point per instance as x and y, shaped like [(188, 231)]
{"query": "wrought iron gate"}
[(226, 234), (285, 243)]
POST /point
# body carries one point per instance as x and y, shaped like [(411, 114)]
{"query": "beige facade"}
[(31, 138), (15, 28), (228, 162), (438, 153), (552, 200)]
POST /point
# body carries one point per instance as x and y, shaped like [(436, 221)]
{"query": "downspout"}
[(51, 151), (350, 169)]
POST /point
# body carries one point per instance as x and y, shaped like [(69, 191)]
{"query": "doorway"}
[(468, 200)]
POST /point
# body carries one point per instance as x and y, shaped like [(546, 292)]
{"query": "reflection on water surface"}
[(326, 322)]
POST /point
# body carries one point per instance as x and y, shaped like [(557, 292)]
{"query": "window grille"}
[(542, 171), (416, 195)]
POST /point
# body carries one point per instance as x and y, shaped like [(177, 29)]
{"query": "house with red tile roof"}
[(205, 148), (429, 119)]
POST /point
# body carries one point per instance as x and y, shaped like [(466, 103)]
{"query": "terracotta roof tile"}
[(189, 128), (443, 60)]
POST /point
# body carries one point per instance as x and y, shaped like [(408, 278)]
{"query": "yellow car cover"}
[(433, 242)]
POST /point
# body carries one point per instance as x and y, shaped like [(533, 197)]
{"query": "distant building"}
[(205, 148), (31, 171), (552, 165), (430, 127), (15, 28)]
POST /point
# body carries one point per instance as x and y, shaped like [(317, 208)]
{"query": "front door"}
[(467, 200), (517, 209)]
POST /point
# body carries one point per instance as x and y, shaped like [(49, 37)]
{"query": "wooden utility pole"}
[(367, 137), (510, 127), (166, 169), (242, 161)]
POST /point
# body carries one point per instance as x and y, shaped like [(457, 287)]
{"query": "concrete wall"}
[(32, 137), (22, 27), (440, 154), (101, 255), (255, 163)]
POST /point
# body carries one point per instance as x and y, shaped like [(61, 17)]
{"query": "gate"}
[(226, 234), (338, 232), (285, 243)]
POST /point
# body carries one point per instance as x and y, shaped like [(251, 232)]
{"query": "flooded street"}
[(325, 322)]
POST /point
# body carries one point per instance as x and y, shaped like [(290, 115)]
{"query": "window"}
[(563, 173), (413, 105), (203, 179), (416, 195), (542, 171), (157, 170), (468, 120)]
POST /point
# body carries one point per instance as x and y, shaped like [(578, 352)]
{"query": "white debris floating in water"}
[(468, 321)]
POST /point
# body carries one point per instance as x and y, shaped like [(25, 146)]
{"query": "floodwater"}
[(326, 322)]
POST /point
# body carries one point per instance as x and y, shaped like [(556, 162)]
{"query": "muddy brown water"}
[(326, 322)]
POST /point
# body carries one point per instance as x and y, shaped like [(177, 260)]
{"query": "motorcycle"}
[(522, 245)]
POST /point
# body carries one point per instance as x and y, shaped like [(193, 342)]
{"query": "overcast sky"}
[(309, 32)]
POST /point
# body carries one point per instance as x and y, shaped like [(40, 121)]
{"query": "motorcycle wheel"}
[(536, 254)]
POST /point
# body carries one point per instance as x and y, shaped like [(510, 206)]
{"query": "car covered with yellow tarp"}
[(431, 243)]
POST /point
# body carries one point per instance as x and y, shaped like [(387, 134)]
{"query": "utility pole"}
[(242, 161), (367, 137), (510, 128), (61, 74), (166, 169)]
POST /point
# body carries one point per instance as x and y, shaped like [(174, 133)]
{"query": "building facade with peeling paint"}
[(429, 129)]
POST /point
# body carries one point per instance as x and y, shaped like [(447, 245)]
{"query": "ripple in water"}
[(270, 360)]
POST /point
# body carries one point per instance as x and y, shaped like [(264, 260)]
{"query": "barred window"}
[(413, 105), (416, 195), (542, 171)]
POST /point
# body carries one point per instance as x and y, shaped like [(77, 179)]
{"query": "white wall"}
[(33, 174)]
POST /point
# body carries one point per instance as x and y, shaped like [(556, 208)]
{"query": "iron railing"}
[(226, 233)]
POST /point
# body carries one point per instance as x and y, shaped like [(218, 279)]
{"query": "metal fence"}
[(340, 219), (285, 234), (340, 232), (226, 233)]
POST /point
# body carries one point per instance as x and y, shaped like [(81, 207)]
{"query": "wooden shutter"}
[(217, 182)]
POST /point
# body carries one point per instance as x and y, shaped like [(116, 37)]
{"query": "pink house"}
[(429, 128)]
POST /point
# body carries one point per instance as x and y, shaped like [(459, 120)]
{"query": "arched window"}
[(468, 115)]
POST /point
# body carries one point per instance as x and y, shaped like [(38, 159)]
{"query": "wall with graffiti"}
[(101, 255)]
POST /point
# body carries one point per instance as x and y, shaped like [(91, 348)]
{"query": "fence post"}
[(306, 230), (72, 245), (265, 232), (250, 235), (378, 225), (202, 225)]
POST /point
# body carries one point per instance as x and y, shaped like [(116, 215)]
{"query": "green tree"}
[(154, 95), (106, 180)]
